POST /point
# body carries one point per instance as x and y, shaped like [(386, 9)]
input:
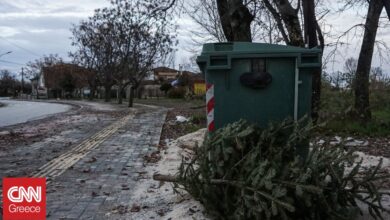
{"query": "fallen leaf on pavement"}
[(92, 160), (135, 208)]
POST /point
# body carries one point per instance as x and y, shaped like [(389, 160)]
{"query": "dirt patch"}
[(173, 129), (193, 111), (376, 146)]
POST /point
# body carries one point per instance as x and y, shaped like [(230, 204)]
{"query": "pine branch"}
[(252, 173)]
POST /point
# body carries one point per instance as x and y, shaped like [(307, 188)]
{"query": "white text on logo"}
[(22, 194)]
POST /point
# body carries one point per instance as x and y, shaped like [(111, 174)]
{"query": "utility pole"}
[(22, 81)]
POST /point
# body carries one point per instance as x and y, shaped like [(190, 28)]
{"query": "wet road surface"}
[(16, 112)]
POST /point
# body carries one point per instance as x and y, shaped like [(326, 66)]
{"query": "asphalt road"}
[(16, 112)]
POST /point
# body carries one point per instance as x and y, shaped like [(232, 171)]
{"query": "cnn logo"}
[(23, 194), (24, 198)]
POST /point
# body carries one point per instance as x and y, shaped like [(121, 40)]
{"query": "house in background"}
[(66, 80), (165, 74), (194, 81), (63, 80), (198, 85), (149, 88)]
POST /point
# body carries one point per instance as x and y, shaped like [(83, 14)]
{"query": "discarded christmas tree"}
[(244, 172)]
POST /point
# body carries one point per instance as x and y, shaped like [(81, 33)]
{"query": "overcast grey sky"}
[(32, 28)]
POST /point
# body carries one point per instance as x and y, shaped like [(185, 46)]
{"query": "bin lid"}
[(247, 47), (219, 55)]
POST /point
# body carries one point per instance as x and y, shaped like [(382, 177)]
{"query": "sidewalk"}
[(103, 180)]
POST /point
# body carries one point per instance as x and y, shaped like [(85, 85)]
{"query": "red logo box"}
[(24, 198)]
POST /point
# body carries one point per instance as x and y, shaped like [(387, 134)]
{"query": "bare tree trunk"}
[(107, 93), (235, 20), (139, 92), (119, 91), (362, 99), (107, 85), (290, 18), (91, 92), (310, 31), (131, 96)]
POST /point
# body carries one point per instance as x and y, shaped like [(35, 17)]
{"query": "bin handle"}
[(256, 80)]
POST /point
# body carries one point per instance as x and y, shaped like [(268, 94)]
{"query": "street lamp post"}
[(8, 52), (22, 81), (5, 53)]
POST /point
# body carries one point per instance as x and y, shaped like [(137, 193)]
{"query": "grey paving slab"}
[(93, 187)]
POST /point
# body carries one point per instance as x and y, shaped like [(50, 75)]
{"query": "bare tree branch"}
[(278, 20)]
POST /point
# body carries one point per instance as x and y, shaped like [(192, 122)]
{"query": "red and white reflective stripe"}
[(210, 103)]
